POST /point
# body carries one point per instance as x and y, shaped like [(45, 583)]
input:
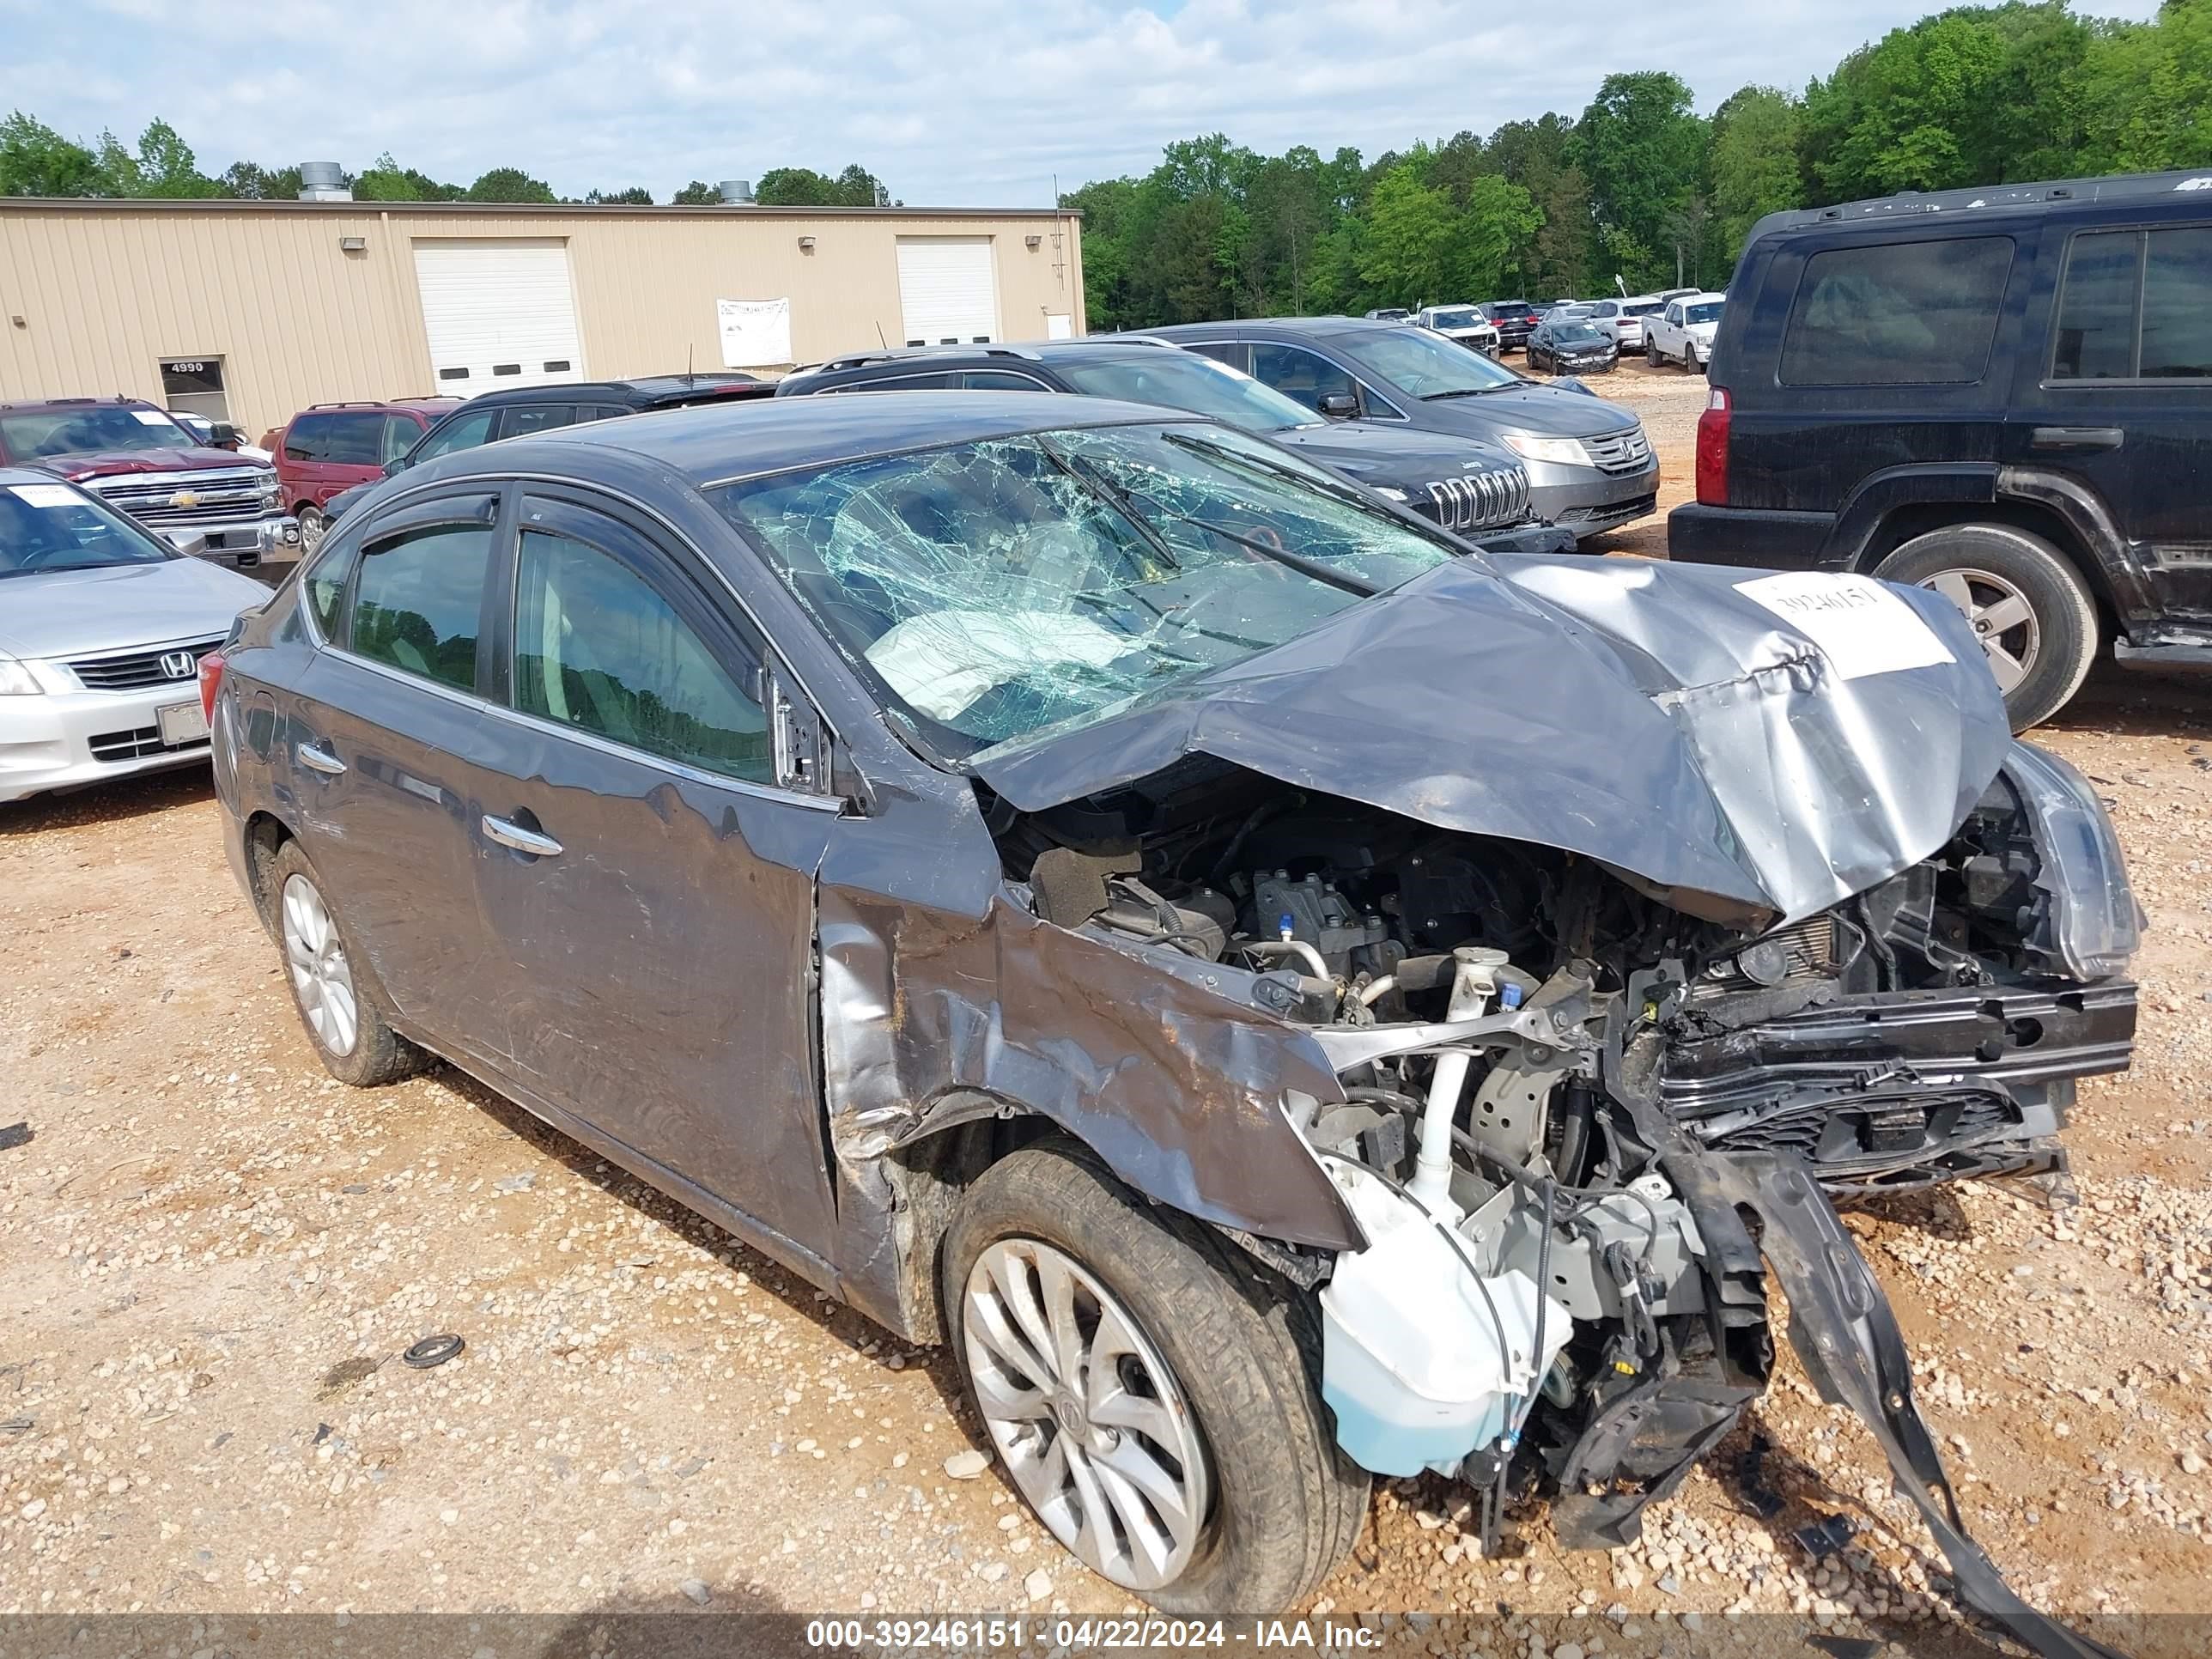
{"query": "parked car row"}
[(1368, 1008), (1462, 483)]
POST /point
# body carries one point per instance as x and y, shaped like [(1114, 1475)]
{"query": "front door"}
[(647, 876), (2124, 400)]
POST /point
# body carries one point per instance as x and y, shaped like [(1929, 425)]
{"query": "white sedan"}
[(102, 626)]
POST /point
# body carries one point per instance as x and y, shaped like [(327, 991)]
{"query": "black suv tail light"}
[(1713, 449)]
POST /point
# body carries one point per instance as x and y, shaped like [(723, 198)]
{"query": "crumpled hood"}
[(74, 613), (1661, 719)]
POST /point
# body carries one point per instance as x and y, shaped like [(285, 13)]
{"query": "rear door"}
[(301, 464), (646, 864), (352, 451), (381, 742), (2118, 397), (1887, 356)]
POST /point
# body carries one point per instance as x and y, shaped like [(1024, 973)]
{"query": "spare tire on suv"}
[(2028, 606)]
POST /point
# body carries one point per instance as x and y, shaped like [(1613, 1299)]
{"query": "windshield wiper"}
[(1084, 472), (1283, 555), (1465, 391)]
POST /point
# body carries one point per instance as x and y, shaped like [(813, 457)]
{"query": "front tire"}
[(1148, 1390), (2029, 608), (339, 1004)]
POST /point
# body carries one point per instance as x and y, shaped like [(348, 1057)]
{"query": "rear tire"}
[(313, 527), (338, 1001), (2029, 606), (1652, 351), (1219, 1347)]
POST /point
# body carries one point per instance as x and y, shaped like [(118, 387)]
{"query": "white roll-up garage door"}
[(499, 314), (948, 289)]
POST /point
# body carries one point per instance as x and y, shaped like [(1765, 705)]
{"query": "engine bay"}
[(1548, 1072)]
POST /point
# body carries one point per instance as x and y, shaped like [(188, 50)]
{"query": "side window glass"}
[(355, 439), (997, 380), (2177, 304), (416, 603), (325, 584), (2097, 309), (524, 419), (1225, 351), (461, 432), (597, 648), (1897, 313), (303, 439), (1300, 375), (400, 432)]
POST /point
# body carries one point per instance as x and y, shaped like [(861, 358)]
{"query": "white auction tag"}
[(1861, 626), (151, 417), (47, 495)]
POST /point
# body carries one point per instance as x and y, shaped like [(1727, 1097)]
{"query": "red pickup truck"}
[(227, 508)]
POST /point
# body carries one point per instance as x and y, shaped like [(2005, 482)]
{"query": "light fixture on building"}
[(353, 244), (1032, 241), (806, 245)]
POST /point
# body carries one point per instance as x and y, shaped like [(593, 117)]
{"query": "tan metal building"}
[(249, 310)]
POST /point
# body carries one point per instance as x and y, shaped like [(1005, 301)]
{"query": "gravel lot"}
[(210, 1257)]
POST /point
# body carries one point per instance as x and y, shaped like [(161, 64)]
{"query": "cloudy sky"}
[(958, 102)]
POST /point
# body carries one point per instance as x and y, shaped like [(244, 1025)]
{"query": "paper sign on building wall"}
[(756, 333)]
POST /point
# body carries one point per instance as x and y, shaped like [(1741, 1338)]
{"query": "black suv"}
[(1516, 320), (2003, 394), (1462, 483), (530, 408)]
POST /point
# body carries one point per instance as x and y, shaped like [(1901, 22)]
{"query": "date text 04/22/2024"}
[(1086, 1634)]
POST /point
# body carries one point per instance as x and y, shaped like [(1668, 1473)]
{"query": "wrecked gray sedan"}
[(1286, 994)]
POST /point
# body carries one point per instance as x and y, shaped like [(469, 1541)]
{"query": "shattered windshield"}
[(995, 588)]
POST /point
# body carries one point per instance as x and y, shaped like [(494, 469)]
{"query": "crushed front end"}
[(1578, 1125)]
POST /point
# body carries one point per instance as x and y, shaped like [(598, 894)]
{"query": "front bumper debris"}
[(1847, 1337)]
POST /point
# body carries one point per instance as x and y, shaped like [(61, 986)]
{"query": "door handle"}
[(316, 759), (2077, 437), (521, 840)]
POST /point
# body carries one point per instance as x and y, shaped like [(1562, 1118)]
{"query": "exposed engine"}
[(1535, 1054)]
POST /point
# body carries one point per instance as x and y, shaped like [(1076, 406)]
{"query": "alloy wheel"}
[(320, 977), (1087, 1414), (2001, 617), (313, 527)]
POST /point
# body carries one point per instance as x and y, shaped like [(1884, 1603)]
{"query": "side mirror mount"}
[(395, 466), (190, 542), (1339, 405)]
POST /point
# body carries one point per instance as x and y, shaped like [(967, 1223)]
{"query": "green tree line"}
[(1638, 186), (35, 160)]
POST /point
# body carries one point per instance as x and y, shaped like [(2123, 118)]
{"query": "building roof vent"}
[(736, 192), (323, 181)]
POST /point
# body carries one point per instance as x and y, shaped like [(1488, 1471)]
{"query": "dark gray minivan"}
[(1285, 995), (1590, 467)]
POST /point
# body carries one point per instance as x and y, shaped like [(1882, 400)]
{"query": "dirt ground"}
[(211, 1256)]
